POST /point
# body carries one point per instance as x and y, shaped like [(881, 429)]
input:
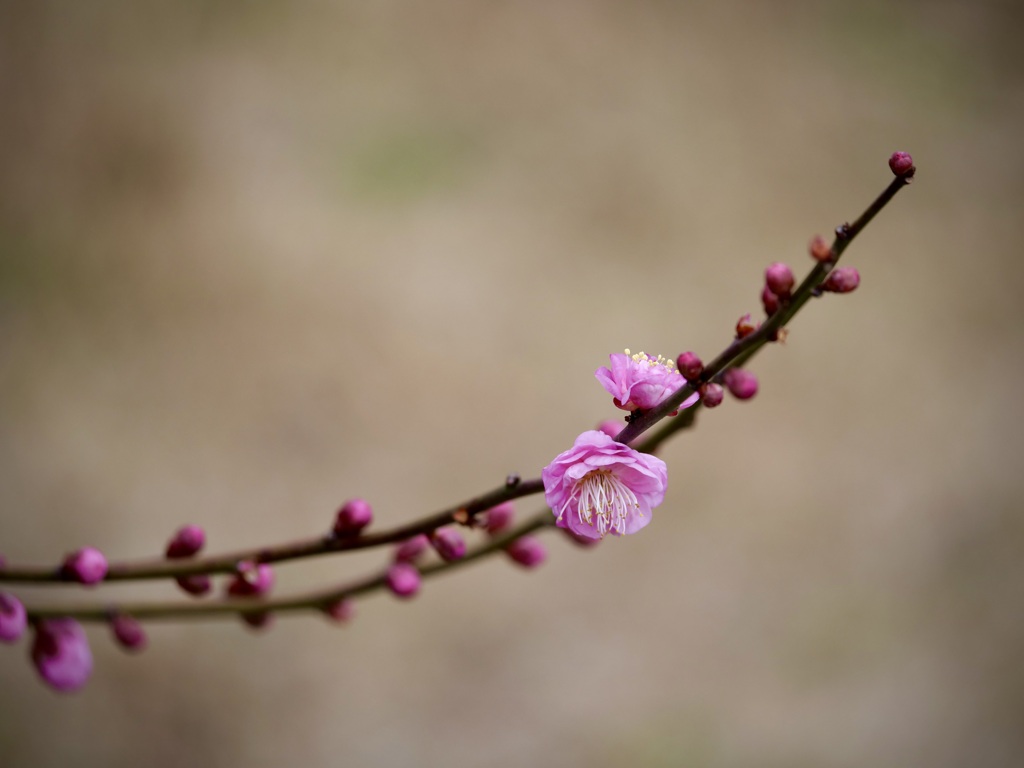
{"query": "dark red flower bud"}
[(745, 326), (354, 515), (198, 584), (186, 542), (342, 610), (841, 280), (741, 383), (901, 164), (258, 619), (128, 632), (820, 249), (711, 395), (770, 301), (690, 366)]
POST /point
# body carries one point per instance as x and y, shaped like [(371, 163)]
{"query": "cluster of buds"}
[(600, 487)]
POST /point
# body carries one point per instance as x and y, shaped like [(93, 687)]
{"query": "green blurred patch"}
[(885, 43), (683, 738), (407, 165)]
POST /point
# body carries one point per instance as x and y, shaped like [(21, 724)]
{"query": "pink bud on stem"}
[(527, 551), (86, 566), (690, 366), (196, 585), (341, 611), (188, 540), (410, 550), (820, 249), (745, 326), (403, 580), (12, 618), (711, 395), (741, 383), (498, 519), (61, 654), (354, 515), (128, 633), (778, 278), (841, 280), (449, 544), (901, 164)]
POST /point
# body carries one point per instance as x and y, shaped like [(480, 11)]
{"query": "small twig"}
[(741, 350), (322, 545), (316, 600)]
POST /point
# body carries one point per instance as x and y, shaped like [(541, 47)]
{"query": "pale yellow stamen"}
[(604, 501), (643, 357)]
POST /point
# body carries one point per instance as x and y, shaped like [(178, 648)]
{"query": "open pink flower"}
[(600, 486), (640, 381)]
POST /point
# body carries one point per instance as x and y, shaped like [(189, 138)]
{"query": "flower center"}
[(604, 501), (643, 357)]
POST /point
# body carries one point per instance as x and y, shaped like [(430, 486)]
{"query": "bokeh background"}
[(258, 257)]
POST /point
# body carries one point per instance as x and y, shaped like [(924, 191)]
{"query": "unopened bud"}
[(741, 383), (820, 249), (12, 618), (841, 280), (86, 566), (779, 279), (690, 366), (499, 518), (61, 654), (258, 619), (711, 395), (403, 580), (342, 610), (901, 164), (354, 515), (527, 551), (745, 326), (128, 633), (449, 544), (251, 580), (198, 584), (186, 542), (610, 427), (770, 301), (410, 549)]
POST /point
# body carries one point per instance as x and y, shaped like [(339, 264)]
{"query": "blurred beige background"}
[(258, 257)]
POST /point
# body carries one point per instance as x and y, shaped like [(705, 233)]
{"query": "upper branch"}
[(741, 350)]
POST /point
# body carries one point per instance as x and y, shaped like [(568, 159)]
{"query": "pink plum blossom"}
[(641, 382), (600, 486)]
